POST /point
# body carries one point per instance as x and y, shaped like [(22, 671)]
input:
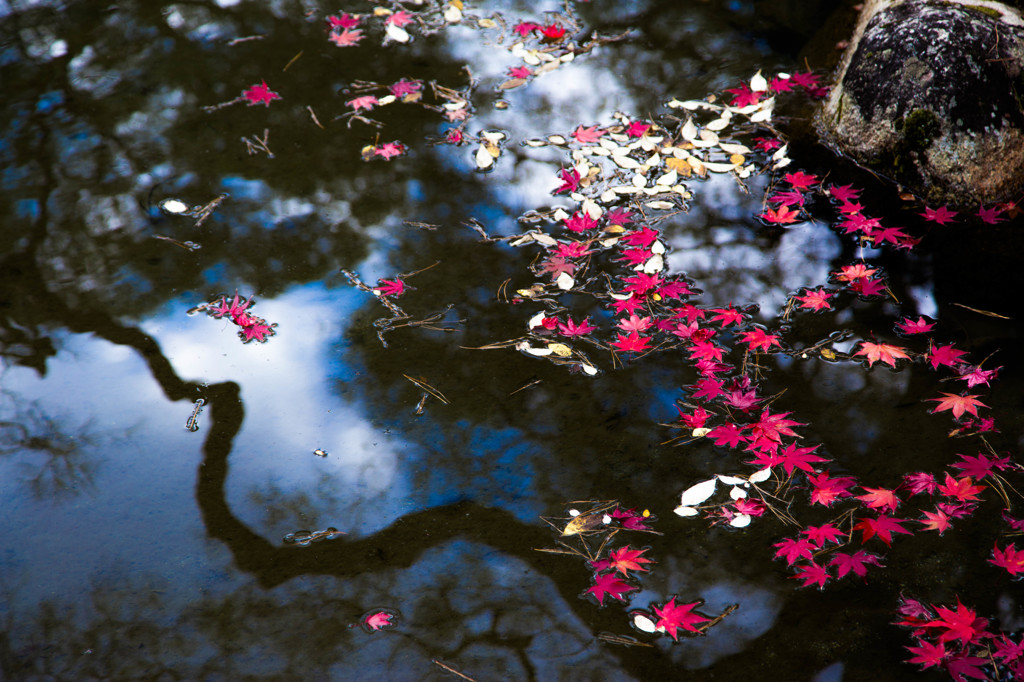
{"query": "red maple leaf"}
[(233, 310), (844, 193), (405, 87), (868, 287), (939, 215), (706, 350), (885, 352), (766, 144), (674, 616), (962, 489), (608, 584), (726, 434), (626, 305), (697, 420), (365, 102), (758, 339), (552, 32), (344, 21), (570, 328), (920, 483), (388, 287), (880, 498), (991, 215), (937, 520), (789, 196), (944, 355), (675, 288), (727, 316), (981, 466), (794, 549), (635, 324), (400, 18), (805, 79), (889, 234), (783, 215), (707, 389), (812, 574), (919, 326), (637, 128), (253, 328), (856, 222), (850, 273), (743, 96), (524, 28), (828, 490), (883, 527), (963, 624), (579, 222), (800, 180), (641, 283), (346, 38), (772, 427), (260, 94), (856, 563), (643, 237), (626, 559), (928, 654), (778, 84), (1009, 558), (572, 249), (390, 150), (520, 72), (631, 342), (815, 300), (826, 532), (570, 178), (958, 404), (588, 135), (799, 458)]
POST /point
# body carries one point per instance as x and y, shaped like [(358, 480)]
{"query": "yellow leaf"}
[(736, 159)]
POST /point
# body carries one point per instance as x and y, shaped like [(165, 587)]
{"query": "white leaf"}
[(536, 321), (758, 83), (589, 370), (565, 281), (654, 264), (608, 196), (740, 521), (731, 148), (700, 432), (737, 493), (531, 57), (173, 206), (686, 511), (639, 181), (699, 492), (762, 475), (719, 123), (626, 162), (657, 247), (453, 14), (494, 136), (591, 208), (545, 239), (484, 158), (728, 480), (660, 205), (668, 179), (560, 215), (643, 623), (539, 352), (556, 139), (535, 143), (397, 33), (387, 99)]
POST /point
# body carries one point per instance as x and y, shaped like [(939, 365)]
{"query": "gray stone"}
[(931, 94)]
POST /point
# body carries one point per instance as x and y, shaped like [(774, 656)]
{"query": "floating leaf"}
[(699, 492), (686, 511)]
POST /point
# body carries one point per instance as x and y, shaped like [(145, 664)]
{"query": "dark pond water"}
[(134, 548)]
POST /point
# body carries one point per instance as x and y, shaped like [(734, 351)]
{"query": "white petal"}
[(728, 480), (686, 511), (740, 521), (397, 33), (758, 83), (762, 475), (173, 206), (484, 159), (737, 493), (536, 321), (643, 623), (565, 281), (696, 494)]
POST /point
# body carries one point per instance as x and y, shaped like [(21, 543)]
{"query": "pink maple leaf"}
[(928, 654), (254, 329), (726, 434), (883, 526), (637, 128), (365, 102), (828, 490), (635, 324), (794, 549), (672, 617), (570, 178), (826, 532), (400, 19), (344, 21), (347, 38), (588, 135), (958, 404), (580, 222), (743, 96), (234, 309), (389, 150), (991, 215), (525, 28), (405, 87), (260, 94), (1010, 558), (571, 329), (844, 193), (520, 72), (812, 574), (919, 326), (944, 355), (815, 300), (387, 287), (377, 620), (800, 180), (856, 563)]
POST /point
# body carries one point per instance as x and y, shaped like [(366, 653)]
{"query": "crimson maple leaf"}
[(793, 457), (641, 283), (937, 520), (637, 128), (609, 584), (880, 498), (828, 490), (626, 559), (789, 196), (758, 339), (885, 352), (347, 38), (883, 527), (706, 350), (939, 215), (570, 328), (975, 375), (919, 326), (772, 427), (254, 328), (626, 305), (726, 434), (826, 532), (405, 87), (794, 549), (631, 342), (674, 616), (643, 237), (928, 654), (344, 21), (635, 324), (766, 144), (520, 72), (805, 79), (389, 150), (812, 574), (844, 193), (868, 287), (675, 288), (579, 222), (570, 178), (525, 28), (259, 94), (815, 300), (783, 215), (856, 222), (991, 215), (958, 404), (962, 489), (920, 483), (743, 96), (233, 310), (981, 466), (388, 287), (552, 32), (707, 389), (1009, 558), (944, 355), (400, 18), (588, 135), (963, 624), (800, 180), (726, 316), (856, 563)]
